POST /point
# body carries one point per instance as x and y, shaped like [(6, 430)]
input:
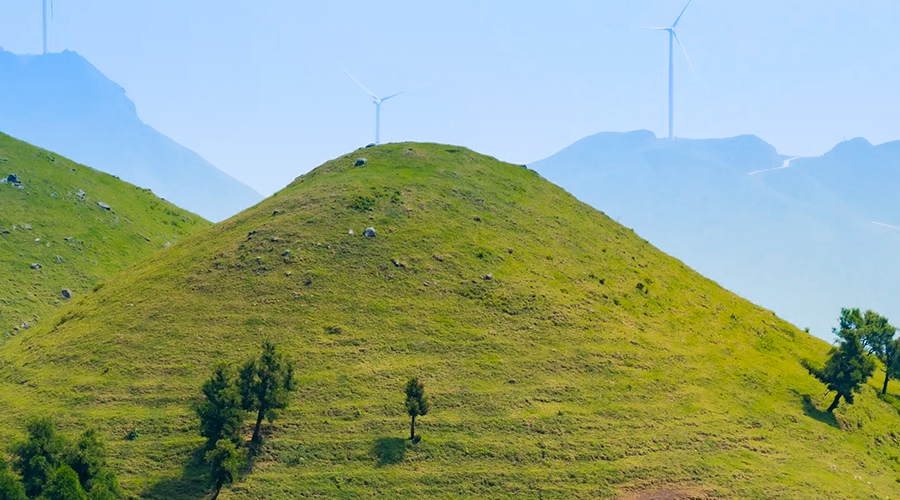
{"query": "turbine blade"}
[(682, 13), (684, 51), (360, 85), (635, 27), (405, 91)]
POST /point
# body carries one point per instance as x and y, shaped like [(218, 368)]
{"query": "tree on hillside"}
[(88, 459), (221, 411), (11, 487), (877, 335), (39, 456), (64, 486), (225, 462), (266, 384), (417, 403), (848, 365)]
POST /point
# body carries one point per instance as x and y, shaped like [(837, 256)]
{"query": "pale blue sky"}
[(255, 87)]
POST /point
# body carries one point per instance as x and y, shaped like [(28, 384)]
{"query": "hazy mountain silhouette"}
[(63, 103), (798, 240)]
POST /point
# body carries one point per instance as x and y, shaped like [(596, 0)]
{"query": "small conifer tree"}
[(266, 384), (221, 410), (417, 403)]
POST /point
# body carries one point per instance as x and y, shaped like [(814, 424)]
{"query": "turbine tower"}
[(673, 37), (377, 101), (46, 38)]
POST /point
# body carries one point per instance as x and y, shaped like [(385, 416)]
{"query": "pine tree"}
[(65, 486), (417, 403), (848, 366), (266, 384), (221, 412)]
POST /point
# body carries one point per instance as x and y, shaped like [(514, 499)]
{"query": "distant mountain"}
[(63, 103), (798, 240), (64, 228)]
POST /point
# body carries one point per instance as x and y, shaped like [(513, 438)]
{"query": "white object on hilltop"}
[(673, 37), (377, 101)]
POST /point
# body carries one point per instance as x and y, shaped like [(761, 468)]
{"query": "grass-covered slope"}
[(589, 365), (52, 219)]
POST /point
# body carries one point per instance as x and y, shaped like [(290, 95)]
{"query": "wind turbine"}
[(377, 101), (46, 38), (673, 37)]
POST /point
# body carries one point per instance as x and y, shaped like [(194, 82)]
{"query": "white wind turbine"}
[(673, 37), (377, 101)]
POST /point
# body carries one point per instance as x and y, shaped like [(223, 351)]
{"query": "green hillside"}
[(565, 356), (46, 221)]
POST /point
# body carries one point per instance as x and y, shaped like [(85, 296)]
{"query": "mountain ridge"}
[(62, 102)]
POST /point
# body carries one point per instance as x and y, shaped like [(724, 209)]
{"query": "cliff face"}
[(63, 103)]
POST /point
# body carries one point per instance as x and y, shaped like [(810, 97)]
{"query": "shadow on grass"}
[(389, 451), (809, 408), (192, 483)]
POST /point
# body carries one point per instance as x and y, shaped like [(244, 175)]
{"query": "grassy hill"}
[(565, 356), (53, 219)]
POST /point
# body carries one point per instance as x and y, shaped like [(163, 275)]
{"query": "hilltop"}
[(57, 240), (63, 103), (566, 357), (798, 240)]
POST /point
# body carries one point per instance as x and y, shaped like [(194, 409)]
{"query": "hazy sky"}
[(255, 87)]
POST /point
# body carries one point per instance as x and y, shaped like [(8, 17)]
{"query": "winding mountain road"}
[(786, 164)]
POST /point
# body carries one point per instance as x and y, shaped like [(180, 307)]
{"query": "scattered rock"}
[(19, 186), (512, 381), (67, 294), (104, 206), (286, 253), (4, 231), (274, 239), (287, 273), (361, 161), (28, 227), (438, 258), (350, 232), (59, 259), (276, 212), (476, 219), (488, 276), (37, 240), (397, 263), (69, 238), (25, 325), (370, 145), (370, 232), (167, 244), (146, 238), (81, 194), (35, 266), (250, 234), (509, 250)]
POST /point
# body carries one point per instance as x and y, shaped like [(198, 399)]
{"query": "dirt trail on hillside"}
[(664, 494)]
